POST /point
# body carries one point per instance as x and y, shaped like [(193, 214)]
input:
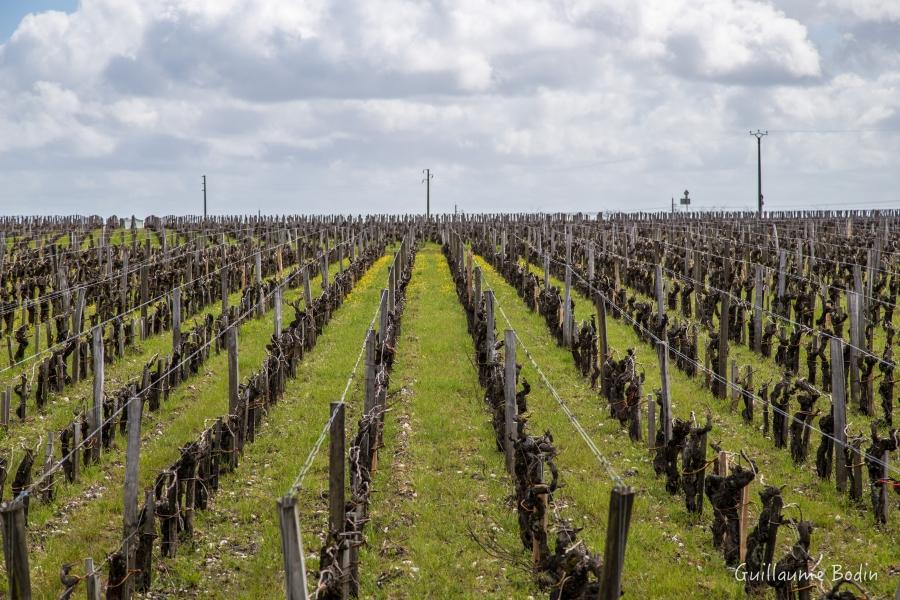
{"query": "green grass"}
[(661, 526), (441, 478), (237, 545)]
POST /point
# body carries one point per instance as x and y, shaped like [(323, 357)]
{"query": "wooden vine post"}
[(662, 350), (15, 550), (91, 580), (292, 549), (277, 301), (489, 322), (721, 379), (567, 309), (97, 407), (510, 412), (336, 483), (176, 318), (234, 381), (839, 402), (369, 403), (621, 500), (130, 512), (853, 304)]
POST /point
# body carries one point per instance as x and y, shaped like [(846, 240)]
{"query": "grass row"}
[(237, 545), (442, 488)]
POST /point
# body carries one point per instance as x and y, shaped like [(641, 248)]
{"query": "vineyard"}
[(462, 406)]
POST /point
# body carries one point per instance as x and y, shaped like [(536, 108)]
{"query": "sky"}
[(120, 106)]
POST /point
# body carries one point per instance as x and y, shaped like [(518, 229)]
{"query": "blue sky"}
[(12, 11), (338, 105)]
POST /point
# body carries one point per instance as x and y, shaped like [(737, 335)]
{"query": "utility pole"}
[(427, 182), (759, 136), (673, 205), (204, 197)]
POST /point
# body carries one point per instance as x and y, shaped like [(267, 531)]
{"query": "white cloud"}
[(869, 10), (342, 103)]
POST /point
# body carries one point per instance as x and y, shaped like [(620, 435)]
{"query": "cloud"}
[(338, 105), (869, 10)]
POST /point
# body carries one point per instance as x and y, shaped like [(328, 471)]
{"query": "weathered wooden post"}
[(336, 482), (323, 257), (721, 383), (97, 407), (391, 285), (735, 388), (92, 580), (47, 491), (292, 549), (233, 380), (782, 309), (546, 271), (662, 351), (307, 290), (176, 318), (476, 299), (757, 310), (223, 283), (15, 550), (76, 447), (489, 322), (660, 295), (590, 262), (510, 412), (602, 342), (369, 403), (130, 512), (383, 316), (277, 312), (261, 302), (743, 523), (886, 483), (77, 326), (567, 309), (853, 303), (5, 401), (651, 423), (839, 404), (621, 500)]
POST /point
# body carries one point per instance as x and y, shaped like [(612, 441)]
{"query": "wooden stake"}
[(854, 308), (176, 318), (838, 401), (662, 351), (621, 499), (336, 483), (292, 549), (130, 512), (233, 375), (15, 550), (92, 580), (223, 284), (510, 411), (307, 290), (278, 312), (490, 340), (97, 408)]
